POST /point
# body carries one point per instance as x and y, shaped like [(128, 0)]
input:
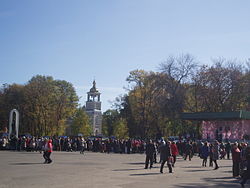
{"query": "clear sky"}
[(80, 40)]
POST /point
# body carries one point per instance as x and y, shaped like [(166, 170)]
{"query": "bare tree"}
[(179, 69)]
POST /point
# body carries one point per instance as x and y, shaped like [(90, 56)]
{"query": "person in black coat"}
[(165, 154), (246, 174), (128, 144), (188, 151), (150, 150)]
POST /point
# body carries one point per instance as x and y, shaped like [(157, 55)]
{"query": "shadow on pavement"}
[(145, 174), (194, 167), (121, 170), (140, 163), (82, 163), (201, 170), (222, 179), (25, 163), (220, 182), (229, 171)]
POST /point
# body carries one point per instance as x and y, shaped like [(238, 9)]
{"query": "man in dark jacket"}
[(165, 154), (150, 150), (128, 144), (188, 151), (246, 175)]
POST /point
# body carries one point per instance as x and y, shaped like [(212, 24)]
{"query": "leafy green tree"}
[(155, 100), (44, 105), (108, 120), (65, 103), (11, 97), (39, 105), (121, 129), (218, 88), (140, 100), (48, 104), (81, 123)]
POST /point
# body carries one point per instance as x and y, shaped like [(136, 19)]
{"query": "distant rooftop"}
[(237, 115)]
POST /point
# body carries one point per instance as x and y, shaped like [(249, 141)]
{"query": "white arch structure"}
[(11, 121)]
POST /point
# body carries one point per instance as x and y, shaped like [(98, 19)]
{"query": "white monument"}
[(11, 121)]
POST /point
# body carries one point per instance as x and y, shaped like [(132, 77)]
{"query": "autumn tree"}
[(218, 88), (49, 102), (140, 102), (176, 74), (44, 105), (65, 103), (81, 123), (120, 129), (108, 122), (11, 97)]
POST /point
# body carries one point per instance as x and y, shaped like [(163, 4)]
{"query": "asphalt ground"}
[(97, 170)]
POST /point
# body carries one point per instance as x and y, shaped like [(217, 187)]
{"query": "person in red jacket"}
[(174, 151), (47, 151)]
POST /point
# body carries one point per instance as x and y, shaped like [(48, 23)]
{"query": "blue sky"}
[(80, 40)]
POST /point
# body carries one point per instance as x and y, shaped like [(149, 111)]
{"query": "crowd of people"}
[(209, 152), (71, 144), (239, 152)]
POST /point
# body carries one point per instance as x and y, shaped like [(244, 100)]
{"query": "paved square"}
[(95, 170)]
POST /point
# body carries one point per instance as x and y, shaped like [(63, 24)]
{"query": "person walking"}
[(236, 160), (215, 154), (47, 151), (155, 153), (210, 154), (150, 150), (82, 145), (188, 151), (204, 154), (174, 151), (165, 153), (246, 174), (128, 145)]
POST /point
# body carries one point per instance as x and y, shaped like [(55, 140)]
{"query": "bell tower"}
[(93, 109)]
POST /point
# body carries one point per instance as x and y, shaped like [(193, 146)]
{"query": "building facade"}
[(93, 109), (225, 130), (222, 125)]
